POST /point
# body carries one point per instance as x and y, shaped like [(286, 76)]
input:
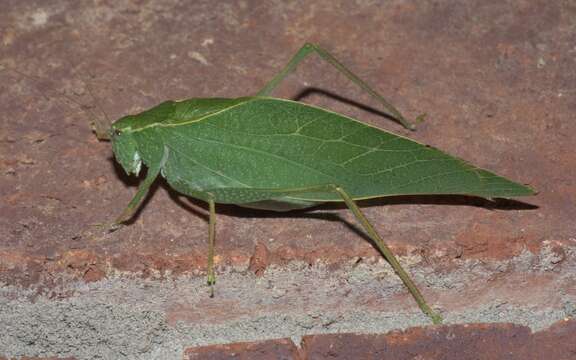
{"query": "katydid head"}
[(125, 146), (122, 133), (125, 124)]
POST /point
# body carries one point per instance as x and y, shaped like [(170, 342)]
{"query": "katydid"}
[(276, 154)]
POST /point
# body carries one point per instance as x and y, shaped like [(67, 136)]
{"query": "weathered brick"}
[(451, 342), (281, 349)]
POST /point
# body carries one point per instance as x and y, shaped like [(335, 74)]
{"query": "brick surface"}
[(282, 349), (465, 342), (496, 79), (450, 342), (479, 92), (37, 358), (557, 342), (457, 342)]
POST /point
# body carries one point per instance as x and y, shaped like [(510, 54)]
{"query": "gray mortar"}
[(125, 317)]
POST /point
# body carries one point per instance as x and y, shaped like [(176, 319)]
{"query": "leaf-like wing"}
[(260, 146)]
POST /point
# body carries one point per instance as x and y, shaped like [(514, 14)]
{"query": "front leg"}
[(133, 205), (143, 188)]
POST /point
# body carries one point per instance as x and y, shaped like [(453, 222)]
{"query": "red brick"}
[(557, 342), (454, 342), (262, 350)]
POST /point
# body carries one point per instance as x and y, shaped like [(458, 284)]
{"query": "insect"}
[(276, 154)]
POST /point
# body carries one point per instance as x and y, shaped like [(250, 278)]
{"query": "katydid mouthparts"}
[(275, 154)]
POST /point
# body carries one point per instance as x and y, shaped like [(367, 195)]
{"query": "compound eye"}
[(117, 132)]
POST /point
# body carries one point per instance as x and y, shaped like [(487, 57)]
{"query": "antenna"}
[(98, 127)]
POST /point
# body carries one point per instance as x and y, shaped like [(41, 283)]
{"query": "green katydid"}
[(275, 154)]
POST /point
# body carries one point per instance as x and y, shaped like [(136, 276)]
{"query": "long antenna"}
[(97, 126), (100, 129)]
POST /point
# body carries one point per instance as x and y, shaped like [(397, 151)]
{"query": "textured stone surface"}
[(455, 342), (283, 349), (496, 78), (37, 358)]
